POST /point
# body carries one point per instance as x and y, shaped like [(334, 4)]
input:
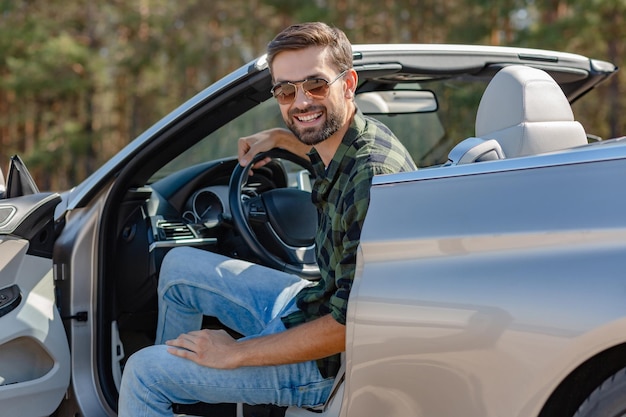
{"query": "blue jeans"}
[(246, 297)]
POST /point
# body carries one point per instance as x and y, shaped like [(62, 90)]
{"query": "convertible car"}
[(491, 281)]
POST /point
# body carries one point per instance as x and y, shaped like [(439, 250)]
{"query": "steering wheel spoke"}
[(255, 209)]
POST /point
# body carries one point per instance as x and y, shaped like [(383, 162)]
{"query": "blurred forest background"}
[(80, 79)]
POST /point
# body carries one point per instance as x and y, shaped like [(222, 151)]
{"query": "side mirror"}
[(391, 102), (19, 182)]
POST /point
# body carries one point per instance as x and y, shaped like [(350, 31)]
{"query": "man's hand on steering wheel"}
[(249, 146)]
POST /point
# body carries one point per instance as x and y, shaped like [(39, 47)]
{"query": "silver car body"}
[(492, 296)]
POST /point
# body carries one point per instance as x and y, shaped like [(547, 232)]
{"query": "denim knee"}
[(140, 366)]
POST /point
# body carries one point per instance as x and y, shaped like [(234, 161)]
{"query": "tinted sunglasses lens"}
[(284, 93), (316, 88)]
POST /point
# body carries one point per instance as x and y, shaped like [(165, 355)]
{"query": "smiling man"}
[(294, 330)]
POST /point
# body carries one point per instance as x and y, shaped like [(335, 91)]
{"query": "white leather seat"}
[(526, 111)]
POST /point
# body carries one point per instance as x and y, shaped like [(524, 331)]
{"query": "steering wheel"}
[(285, 219)]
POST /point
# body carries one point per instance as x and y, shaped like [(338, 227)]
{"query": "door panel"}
[(34, 353)]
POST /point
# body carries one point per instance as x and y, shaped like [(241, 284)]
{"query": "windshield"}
[(222, 143)]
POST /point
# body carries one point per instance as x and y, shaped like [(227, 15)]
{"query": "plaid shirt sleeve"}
[(376, 151), (355, 205)]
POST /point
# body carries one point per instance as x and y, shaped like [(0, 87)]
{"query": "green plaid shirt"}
[(341, 194)]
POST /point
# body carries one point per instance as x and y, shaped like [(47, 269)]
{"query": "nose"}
[(301, 97)]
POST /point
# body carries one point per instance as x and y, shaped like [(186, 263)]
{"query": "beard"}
[(313, 136)]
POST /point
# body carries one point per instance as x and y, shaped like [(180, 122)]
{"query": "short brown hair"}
[(304, 35)]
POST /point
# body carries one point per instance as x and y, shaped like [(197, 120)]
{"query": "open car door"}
[(34, 352)]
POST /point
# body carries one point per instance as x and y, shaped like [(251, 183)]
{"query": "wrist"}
[(238, 356), (283, 138)]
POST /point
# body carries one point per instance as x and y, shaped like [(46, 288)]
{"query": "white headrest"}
[(525, 110)]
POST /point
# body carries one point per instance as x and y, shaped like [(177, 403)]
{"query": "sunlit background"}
[(81, 79)]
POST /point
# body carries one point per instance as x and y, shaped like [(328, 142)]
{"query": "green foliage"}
[(55, 66), (79, 80)]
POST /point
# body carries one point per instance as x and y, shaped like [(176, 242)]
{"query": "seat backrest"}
[(526, 111)]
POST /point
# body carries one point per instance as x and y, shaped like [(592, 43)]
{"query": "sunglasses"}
[(314, 88)]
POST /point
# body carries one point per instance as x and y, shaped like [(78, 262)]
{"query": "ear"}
[(351, 81)]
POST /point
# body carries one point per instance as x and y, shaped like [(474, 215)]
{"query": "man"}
[(294, 329)]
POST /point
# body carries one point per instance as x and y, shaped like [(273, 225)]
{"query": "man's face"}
[(311, 120)]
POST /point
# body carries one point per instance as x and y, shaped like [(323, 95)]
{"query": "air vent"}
[(174, 231)]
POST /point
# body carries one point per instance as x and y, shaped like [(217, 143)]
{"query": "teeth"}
[(309, 118)]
